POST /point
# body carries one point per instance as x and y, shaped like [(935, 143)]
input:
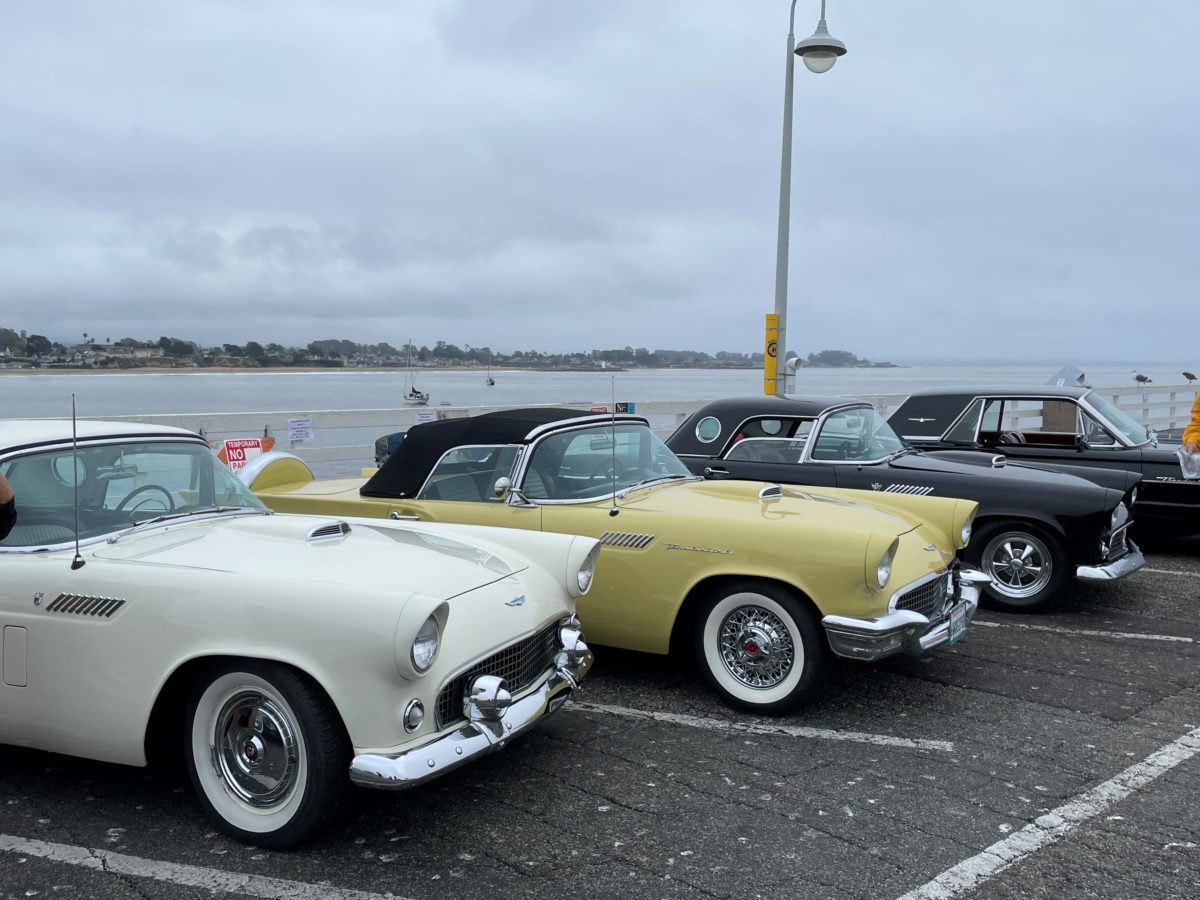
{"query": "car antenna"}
[(77, 562), (613, 471)]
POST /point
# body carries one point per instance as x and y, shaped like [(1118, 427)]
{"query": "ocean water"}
[(207, 391)]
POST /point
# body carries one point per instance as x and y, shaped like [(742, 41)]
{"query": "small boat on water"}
[(412, 396), (490, 381)]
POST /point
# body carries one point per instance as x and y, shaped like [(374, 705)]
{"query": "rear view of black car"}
[(1035, 531)]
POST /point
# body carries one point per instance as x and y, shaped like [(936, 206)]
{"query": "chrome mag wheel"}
[(1021, 565)]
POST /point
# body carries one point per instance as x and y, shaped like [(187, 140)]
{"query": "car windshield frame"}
[(814, 437), (1110, 416), (106, 519), (612, 487)]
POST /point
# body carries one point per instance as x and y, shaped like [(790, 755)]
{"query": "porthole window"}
[(708, 430), (771, 426), (65, 466)]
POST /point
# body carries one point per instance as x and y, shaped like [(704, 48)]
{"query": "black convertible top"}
[(406, 469)]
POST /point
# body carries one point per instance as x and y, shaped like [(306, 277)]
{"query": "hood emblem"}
[(931, 548), (876, 486), (516, 601), (922, 420)]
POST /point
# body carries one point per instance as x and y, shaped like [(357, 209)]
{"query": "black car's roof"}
[(732, 411), (406, 469), (1037, 390), (929, 412)]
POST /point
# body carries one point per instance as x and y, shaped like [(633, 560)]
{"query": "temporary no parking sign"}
[(236, 453)]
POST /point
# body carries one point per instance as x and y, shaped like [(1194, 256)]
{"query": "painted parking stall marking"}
[(1087, 632), (1173, 572), (802, 731), (188, 876), (1055, 825)]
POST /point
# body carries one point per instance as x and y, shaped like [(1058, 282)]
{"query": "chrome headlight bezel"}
[(586, 572), (425, 646), (964, 535), (883, 570)]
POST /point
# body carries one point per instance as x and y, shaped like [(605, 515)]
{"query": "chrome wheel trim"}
[(756, 647), (1019, 563), (712, 659), (220, 792), (255, 750)]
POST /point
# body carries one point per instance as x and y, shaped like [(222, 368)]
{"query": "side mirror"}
[(1081, 442), (502, 487)]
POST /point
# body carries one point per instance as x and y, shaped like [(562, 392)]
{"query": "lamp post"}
[(819, 53)]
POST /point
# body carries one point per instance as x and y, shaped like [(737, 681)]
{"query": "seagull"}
[(1189, 376), (1141, 378)]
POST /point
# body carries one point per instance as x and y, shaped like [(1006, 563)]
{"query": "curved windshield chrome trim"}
[(1120, 435), (433, 468), (65, 444), (806, 456), (586, 420), (966, 409)]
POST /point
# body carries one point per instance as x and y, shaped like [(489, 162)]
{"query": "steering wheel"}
[(143, 489), (843, 450), (607, 470)]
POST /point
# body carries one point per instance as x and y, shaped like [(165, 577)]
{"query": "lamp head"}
[(820, 51)]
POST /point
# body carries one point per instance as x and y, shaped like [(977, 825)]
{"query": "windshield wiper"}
[(896, 454), (654, 480), (166, 517)]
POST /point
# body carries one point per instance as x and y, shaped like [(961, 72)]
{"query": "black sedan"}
[(1035, 528), (1069, 429)]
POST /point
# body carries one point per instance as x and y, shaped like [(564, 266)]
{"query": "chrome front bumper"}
[(494, 719), (902, 631), (1116, 570)]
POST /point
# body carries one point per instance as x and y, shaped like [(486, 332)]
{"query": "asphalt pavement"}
[(1053, 755)]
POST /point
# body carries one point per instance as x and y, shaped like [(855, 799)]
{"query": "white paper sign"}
[(429, 416), (300, 429)]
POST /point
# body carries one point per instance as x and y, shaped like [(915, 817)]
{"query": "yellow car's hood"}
[(729, 501)]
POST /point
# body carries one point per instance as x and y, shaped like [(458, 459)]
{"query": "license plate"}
[(958, 622)]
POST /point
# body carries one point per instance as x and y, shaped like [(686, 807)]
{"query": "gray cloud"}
[(971, 179)]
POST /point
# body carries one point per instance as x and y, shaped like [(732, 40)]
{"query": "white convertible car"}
[(148, 601)]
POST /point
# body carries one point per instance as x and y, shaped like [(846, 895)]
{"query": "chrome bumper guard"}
[(494, 719), (1116, 570), (903, 631)]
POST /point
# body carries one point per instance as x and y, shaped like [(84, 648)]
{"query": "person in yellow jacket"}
[(1191, 434)]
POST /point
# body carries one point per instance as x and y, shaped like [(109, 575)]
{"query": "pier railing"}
[(342, 441)]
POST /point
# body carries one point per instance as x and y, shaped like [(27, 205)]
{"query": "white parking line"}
[(1173, 572), (189, 876), (1055, 824), (827, 734), (1124, 635)]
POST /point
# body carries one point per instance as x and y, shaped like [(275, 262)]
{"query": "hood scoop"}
[(770, 492), (329, 532)]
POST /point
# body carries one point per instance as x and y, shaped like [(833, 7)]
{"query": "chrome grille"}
[(518, 664), (626, 539), (928, 599), (1118, 546), (82, 605)]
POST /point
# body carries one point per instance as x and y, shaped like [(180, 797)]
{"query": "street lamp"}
[(819, 53)]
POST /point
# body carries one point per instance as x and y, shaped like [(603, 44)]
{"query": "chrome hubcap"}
[(256, 751), (1019, 564), (756, 647)]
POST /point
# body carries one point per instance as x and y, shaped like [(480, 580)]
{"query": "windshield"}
[(1121, 421), (118, 485), (859, 434), (587, 463)]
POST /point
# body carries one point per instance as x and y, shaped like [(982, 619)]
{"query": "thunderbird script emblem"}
[(516, 601)]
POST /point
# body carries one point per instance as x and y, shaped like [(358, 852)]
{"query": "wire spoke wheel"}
[(756, 647)]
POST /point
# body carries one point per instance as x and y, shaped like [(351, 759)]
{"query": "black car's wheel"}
[(761, 647), (1029, 567), (266, 752)]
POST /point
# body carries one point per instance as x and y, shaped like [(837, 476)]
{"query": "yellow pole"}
[(771, 355)]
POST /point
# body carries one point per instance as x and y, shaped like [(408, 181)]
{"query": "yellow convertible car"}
[(764, 581)]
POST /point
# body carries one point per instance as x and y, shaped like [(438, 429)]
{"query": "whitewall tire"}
[(760, 646), (266, 752)]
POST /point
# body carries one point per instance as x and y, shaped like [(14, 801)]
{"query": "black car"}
[(1069, 429), (1035, 528)]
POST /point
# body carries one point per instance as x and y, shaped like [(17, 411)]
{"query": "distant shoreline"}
[(266, 370)]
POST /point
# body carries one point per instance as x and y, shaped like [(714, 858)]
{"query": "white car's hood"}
[(374, 554)]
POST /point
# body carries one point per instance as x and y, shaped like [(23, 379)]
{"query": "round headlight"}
[(583, 577), (884, 570), (425, 647), (965, 536)]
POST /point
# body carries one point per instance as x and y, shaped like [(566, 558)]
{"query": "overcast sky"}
[(1017, 180)]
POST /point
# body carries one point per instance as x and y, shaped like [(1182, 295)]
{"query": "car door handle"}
[(404, 518), (713, 472)]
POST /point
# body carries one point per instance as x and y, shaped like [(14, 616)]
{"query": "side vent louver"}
[(626, 539), (80, 605), (327, 532), (770, 492), (915, 489)]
